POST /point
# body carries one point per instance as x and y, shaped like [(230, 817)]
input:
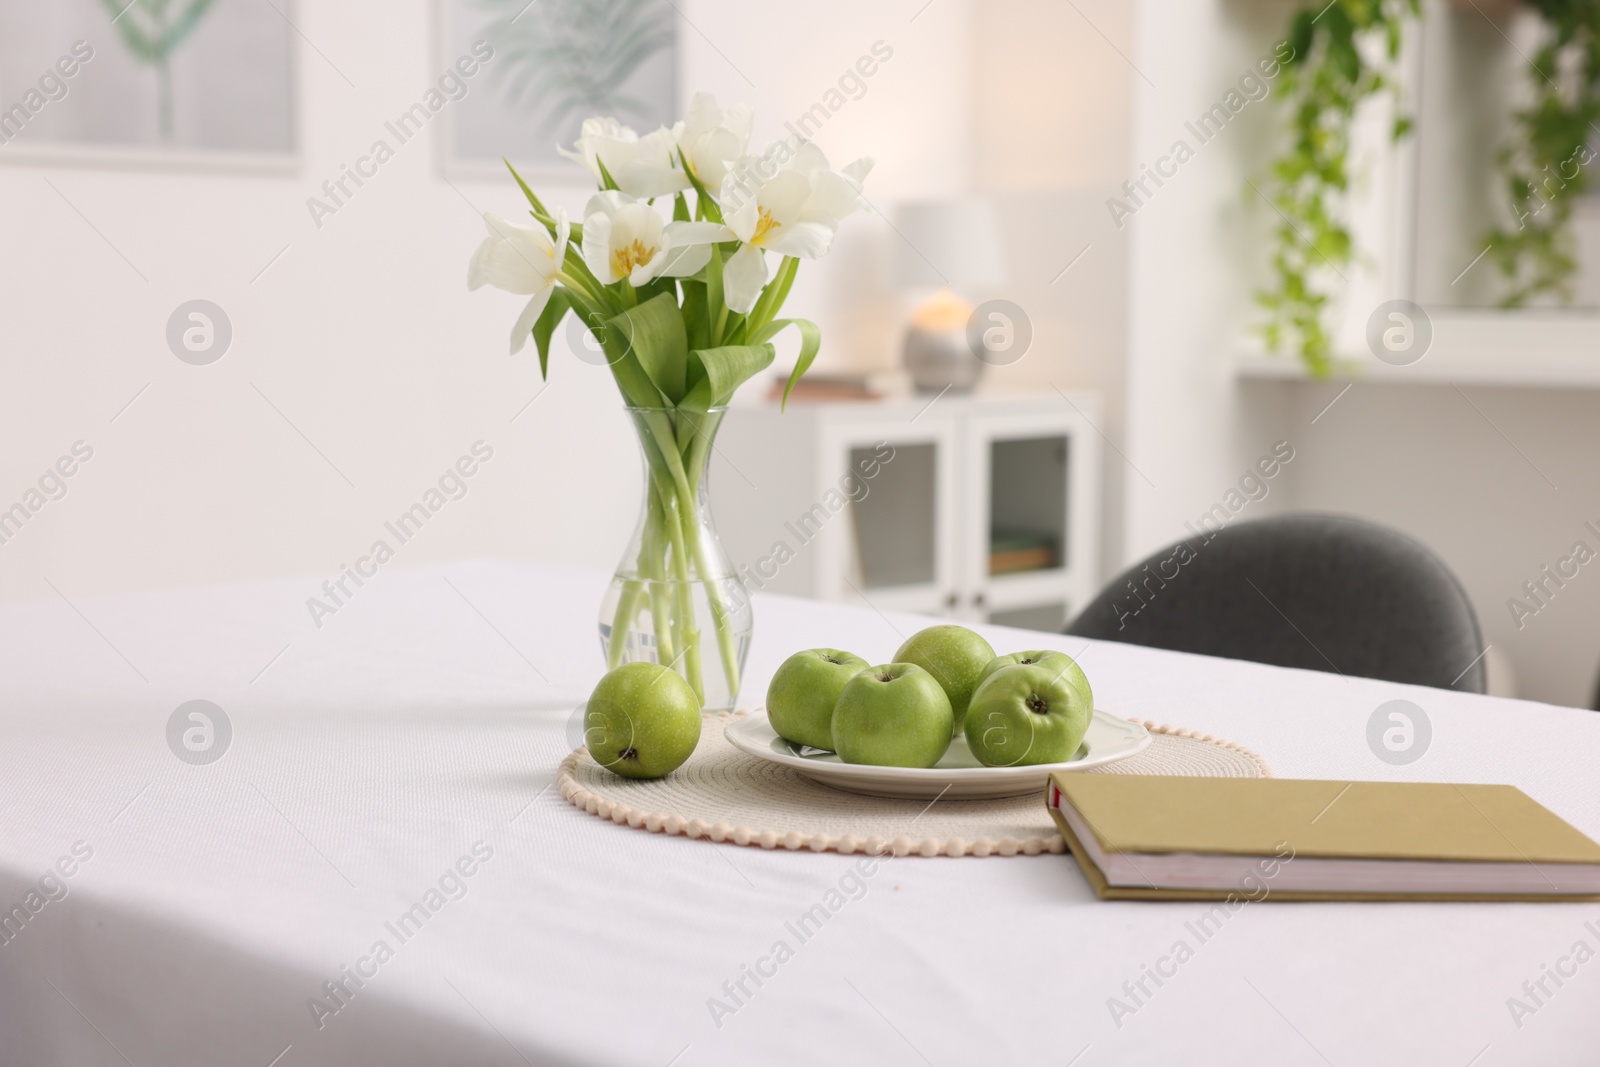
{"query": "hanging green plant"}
[(1546, 171), (1325, 81)]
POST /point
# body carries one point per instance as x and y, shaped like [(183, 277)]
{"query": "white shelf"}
[(1529, 350)]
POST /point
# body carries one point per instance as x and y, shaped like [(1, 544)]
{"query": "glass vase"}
[(675, 598)]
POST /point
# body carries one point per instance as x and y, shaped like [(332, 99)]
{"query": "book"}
[(820, 386), (1012, 552), (824, 386), (1022, 559), (1167, 838)]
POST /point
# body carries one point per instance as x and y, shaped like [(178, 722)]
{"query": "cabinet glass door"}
[(898, 549), (1030, 546), (897, 528), (1028, 515)]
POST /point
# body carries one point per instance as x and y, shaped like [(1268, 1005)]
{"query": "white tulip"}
[(641, 166), (625, 238), (789, 201), (712, 139), (520, 259)]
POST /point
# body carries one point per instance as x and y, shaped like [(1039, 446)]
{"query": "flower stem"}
[(652, 552), (687, 627), (622, 622), (671, 487), (673, 452), (696, 451), (771, 300)]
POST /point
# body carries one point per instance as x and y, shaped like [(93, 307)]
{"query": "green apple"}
[(1028, 713), (642, 721), (896, 715), (1059, 662), (802, 694), (955, 656)]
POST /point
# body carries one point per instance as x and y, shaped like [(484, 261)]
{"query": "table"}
[(415, 735)]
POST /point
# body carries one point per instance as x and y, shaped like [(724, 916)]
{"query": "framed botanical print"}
[(202, 82), (555, 63)]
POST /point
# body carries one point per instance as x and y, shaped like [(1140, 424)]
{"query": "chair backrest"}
[(1323, 592)]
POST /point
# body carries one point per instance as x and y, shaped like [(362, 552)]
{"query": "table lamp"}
[(951, 248)]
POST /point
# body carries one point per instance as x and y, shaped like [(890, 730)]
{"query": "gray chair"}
[(1322, 592)]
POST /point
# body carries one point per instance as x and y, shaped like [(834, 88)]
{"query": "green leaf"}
[(810, 345), (653, 333), (149, 34), (716, 306), (655, 288), (1300, 33), (541, 213), (556, 310), (1339, 24), (606, 180), (694, 314), (1344, 56), (717, 372), (180, 29), (538, 206)]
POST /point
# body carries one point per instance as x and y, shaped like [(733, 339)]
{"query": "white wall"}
[(1422, 459), (1051, 140), (914, 120), (363, 333), (1189, 430)]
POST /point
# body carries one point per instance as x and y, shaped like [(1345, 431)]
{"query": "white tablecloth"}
[(371, 760)]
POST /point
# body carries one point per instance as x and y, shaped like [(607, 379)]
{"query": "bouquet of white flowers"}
[(684, 310)]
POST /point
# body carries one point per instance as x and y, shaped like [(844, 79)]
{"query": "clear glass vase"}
[(676, 599)]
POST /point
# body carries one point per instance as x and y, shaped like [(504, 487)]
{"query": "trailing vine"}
[(1547, 170), (1324, 83)]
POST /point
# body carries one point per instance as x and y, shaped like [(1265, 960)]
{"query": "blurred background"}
[(1026, 149)]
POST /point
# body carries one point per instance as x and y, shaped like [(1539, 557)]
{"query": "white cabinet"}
[(977, 508)]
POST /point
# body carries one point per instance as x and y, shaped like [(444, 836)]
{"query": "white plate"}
[(958, 775)]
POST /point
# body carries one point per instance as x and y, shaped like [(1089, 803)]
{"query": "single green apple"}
[(955, 656), (896, 715), (1026, 714), (642, 721), (802, 694), (1058, 662)]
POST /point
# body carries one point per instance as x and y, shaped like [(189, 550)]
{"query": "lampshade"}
[(947, 242)]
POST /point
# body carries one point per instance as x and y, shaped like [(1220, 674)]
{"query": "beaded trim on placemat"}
[(1179, 731), (728, 796)]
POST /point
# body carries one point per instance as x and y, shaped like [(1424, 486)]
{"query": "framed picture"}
[(555, 63), (205, 83)]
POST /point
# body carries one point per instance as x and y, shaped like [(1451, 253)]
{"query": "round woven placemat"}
[(729, 796)]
